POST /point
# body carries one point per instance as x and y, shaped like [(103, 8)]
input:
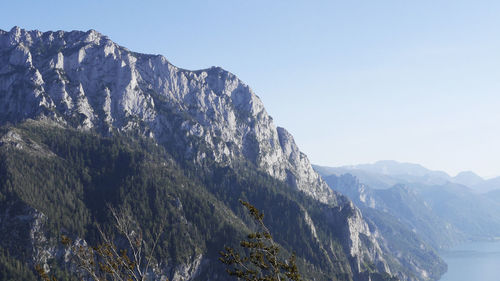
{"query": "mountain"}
[(494, 195), (467, 178), (384, 174), (475, 215), (401, 216), (487, 185), (86, 81), (86, 123), (404, 204), (374, 180), (394, 168), (442, 212)]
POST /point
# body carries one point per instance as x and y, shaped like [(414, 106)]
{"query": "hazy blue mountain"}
[(413, 231), (441, 211), (403, 203), (374, 180), (475, 215), (487, 185), (386, 173), (468, 178), (85, 122), (494, 195), (394, 168)]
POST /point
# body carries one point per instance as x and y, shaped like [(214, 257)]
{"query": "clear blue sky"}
[(353, 81)]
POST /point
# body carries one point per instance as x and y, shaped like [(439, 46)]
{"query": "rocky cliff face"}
[(87, 81), (23, 232)]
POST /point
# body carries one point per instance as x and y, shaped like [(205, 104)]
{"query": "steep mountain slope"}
[(487, 185), (494, 196), (475, 215), (87, 81), (403, 218), (442, 214), (42, 164), (402, 203), (176, 147)]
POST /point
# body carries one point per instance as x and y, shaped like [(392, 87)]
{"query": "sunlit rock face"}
[(85, 80)]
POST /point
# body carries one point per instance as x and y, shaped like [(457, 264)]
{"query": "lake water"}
[(475, 261)]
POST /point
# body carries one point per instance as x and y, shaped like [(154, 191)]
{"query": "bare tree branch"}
[(106, 262)]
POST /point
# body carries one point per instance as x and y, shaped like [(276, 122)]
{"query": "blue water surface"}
[(474, 261)]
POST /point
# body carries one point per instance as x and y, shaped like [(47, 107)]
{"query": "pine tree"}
[(260, 261)]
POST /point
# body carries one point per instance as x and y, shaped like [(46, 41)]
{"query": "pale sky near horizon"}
[(353, 81)]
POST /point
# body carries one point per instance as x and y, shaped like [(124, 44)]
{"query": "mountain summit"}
[(85, 80)]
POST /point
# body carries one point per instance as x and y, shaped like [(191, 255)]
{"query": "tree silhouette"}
[(260, 261)]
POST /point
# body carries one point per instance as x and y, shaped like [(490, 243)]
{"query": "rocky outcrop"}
[(13, 140), (24, 234), (358, 240)]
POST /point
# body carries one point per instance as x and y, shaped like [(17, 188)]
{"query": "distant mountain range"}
[(386, 173), (440, 209)]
